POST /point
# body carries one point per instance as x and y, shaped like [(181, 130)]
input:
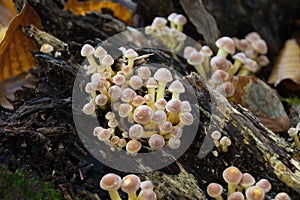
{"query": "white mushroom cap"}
[(227, 44), (219, 62), (206, 51), (144, 72), (156, 141), (186, 118), (252, 36), (136, 82), (110, 182), (214, 190), (151, 83), (195, 58), (107, 60), (180, 19), (174, 106), (163, 75), (172, 16), (255, 193), (159, 116), (282, 196), (159, 22), (174, 143), (130, 183), (232, 175), (216, 135), (240, 57), (100, 52), (247, 180), (136, 131), (87, 50), (143, 114), (130, 53), (260, 46), (176, 86), (188, 50)]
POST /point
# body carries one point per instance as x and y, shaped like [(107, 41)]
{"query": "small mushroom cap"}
[(195, 58), (115, 92), (87, 50), (226, 89), (174, 143), (186, 106), (97, 130), (260, 46), (151, 83), (133, 146), (206, 51), (143, 114), (122, 49), (292, 132), (163, 75), (172, 16), (240, 57), (110, 182), (214, 190), (251, 65), (104, 135), (46, 48), (176, 86), (216, 135), (180, 19), (225, 141), (100, 52), (159, 22), (219, 76), (219, 62), (144, 72), (130, 53), (156, 141), (101, 99), (236, 196), (174, 106), (188, 50), (88, 109), (146, 185), (247, 180), (255, 193), (262, 60), (109, 115), (107, 60), (138, 100), (124, 109), (252, 36), (130, 183), (177, 132), (115, 139), (159, 116), (119, 79), (282, 196), (241, 44), (113, 123), (148, 195), (232, 175), (128, 95), (166, 127), (136, 82), (161, 104), (136, 131), (186, 118), (264, 184), (227, 44)]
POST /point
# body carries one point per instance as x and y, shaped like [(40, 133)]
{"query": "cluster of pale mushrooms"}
[(170, 36), (293, 133), (243, 186), (235, 57), (135, 97), (129, 184)]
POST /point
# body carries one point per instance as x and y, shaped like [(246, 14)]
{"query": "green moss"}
[(293, 101), (15, 185)]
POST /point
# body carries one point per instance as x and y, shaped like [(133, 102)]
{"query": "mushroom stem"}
[(297, 142), (231, 189), (200, 70), (236, 66), (161, 90), (243, 72), (92, 61), (179, 28), (130, 62), (114, 195), (132, 196), (222, 53)]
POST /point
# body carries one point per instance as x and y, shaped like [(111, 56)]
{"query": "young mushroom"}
[(156, 142), (130, 184), (239, 59), (143, 114), (171, 19), (293, 132), (88, 51), (216, 135), (196, 59), (99, 53), (247, 181), (176, 87), (130, 54), (215, 190), (180, 21), (282, 196), (132, 147), (225, 142), (163, 76), (108, 61), (236, 196), (264, 184), (255, 193), (111, 182), (226, 46), (232, 176)]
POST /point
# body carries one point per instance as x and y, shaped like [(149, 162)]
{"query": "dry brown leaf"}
[(15, 56), (258, 97), (81, 8), (287, 66), (8, 11)]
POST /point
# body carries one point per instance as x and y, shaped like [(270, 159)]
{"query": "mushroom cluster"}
[(129, 184), (139, 114), (171, 36), (221, 143), (293, 132), (235, 57), (241, 185)]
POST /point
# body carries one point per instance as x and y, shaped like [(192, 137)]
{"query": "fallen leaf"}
[(287, 67), (8, 11), (259, 98), (81, 8), (15, 56)]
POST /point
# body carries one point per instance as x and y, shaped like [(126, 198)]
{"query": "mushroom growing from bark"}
[(226, 46), (163, 76), (88, 51), (111, 182), (215, 190), (232, 176)]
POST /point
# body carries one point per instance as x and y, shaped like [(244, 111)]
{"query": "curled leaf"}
[(15, 56), (259, 98), (81, 8), (287, 66)]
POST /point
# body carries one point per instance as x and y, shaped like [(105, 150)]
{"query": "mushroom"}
[(125, 110), (163, 76), (215, 190), (226, 46), (144, 72), (259, 46), (122, 143), (156, 141), (176, 87), (216, 135), (132, 147), (249, 67), (165, 127), (255, 193), (196, 59), (109, 115), (159, 22), (207, 53), (114, 92), (226, 89), (88, 51), (236, 196), (143, 114), (138, 101), (99, 53), (97, 130), (136, 82), (151, 85), (293, 132), (161, 104), (174, 143), (282, 196), (218, 77), (119, 79), (186, 119), (101, 100), (225, 142), (111, 182), (108, 61), (130, 184), (173, 108), (104, 134), (88, 108), (264, 184), (147, 195), (171, 18), (232, 176), (113, 123), (180, 21), (252, 36), (186, 106), (130, 54), (136, 131), (246, 181), (46, 48), (219, 62), (115, 139), (188, 50), (239, 59), (159, 117), (128, 95)]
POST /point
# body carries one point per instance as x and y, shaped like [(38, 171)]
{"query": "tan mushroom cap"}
[(110, 182), (143, 114), (130, 53), (161, 104), (180, 19), (232, 175), (219, 76), (159, 22), (124, 109), (247, 180), (87, 50), (156, 141), (240, 57), (130, 183), (136, 131), (188, 50), (174, 106), (174, 143), (107, 60), (195, 58), (136, 82), (251, 65), (236, 196), (186, 118), (219, 62), (225, 141), (252, 36), (255, 193), (264, 184), (172, 16), (151, 83), (227, 44), (216, 135), (282, 196), (226, 89), (176, 86), (214, 190), (100, 52), (163, 75), (260, 46), (133, 146), (144, 72), (159, 116), (206, 51)]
